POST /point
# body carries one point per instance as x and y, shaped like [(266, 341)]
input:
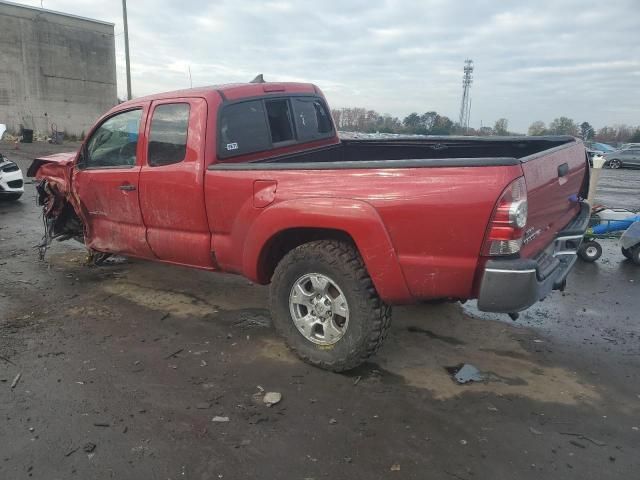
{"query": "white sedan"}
[(11, 180)]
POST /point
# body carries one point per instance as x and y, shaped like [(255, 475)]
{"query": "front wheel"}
[(324, 304), (590, 251), (635, 254), (626, 252), (615, 163)]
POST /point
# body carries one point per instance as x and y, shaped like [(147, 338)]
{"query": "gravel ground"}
[(123, 368)]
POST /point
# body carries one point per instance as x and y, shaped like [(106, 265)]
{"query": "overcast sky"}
[(534, 60)]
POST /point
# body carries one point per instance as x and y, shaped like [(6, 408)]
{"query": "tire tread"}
[(340, 254)]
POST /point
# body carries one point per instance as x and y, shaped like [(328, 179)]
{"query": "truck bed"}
[(412, 152)]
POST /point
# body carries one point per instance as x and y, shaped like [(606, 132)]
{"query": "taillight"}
[(506, 227)]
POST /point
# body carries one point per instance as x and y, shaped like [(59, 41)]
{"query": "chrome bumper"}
[(513, 285)]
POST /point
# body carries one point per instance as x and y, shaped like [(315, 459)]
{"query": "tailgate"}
[(554, 181)]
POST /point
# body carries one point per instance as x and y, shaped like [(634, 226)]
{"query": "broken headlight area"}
[(58, 216)]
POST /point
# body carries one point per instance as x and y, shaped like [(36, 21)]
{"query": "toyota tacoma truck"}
[(253, 179)]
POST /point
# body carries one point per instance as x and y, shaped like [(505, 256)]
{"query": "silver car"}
[(623, 158)]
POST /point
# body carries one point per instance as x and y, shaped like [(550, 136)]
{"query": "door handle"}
[(127, 187), (563, 169)]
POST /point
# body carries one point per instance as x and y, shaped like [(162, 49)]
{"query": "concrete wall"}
[(54, 69)]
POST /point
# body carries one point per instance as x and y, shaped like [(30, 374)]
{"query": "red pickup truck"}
[(253, 179)]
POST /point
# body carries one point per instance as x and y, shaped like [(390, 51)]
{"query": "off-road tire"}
[(369, 317), (590, 251)]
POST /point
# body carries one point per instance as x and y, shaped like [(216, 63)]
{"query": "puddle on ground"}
[(493, 347), (412, 357)]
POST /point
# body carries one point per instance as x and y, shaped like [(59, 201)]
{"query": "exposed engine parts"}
[(58, 216)]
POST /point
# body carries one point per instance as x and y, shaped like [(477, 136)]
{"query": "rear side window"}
[(260, 125), (312, 119), (168, 134), (243, 129)]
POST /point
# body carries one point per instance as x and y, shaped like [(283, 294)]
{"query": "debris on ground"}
[(6, 360), (395, 467), (271, 398), (534, 431), (16, 380), (71, 452), (218, 419), (582, 436), (332, 421), (88, 447), (466, 373), (171, 355)]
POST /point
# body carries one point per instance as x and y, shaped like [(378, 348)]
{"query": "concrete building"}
[(55, 70)]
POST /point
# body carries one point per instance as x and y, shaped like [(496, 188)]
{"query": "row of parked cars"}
[(627, 156)]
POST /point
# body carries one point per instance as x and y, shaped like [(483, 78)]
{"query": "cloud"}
[(534, 61)]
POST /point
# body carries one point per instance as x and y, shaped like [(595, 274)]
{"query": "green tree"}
[(412, 121), (537, 128), (586, 131), (635, 138), (563, 126), (442, 125), (501, 127)]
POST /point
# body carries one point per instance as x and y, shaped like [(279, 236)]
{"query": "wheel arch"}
[(289, 224)]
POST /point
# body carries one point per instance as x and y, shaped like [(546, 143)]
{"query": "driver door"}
[(106, 182)]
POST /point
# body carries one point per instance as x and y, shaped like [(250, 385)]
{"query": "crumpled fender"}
[(357, 218)]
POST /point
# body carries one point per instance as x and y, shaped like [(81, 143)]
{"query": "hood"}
[(56, 161), (55, 169)]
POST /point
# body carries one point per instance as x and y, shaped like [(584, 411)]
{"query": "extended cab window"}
[(168, 134), (312, 119), (243, 129), (114, 143), (259, 125)]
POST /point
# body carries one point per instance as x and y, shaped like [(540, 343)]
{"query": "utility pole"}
[(126, 48)]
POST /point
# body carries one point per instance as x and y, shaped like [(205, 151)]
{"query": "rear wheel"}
[(615, 163), (590, 251), (324, 304)]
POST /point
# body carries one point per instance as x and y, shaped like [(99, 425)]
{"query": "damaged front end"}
[(58, 216)]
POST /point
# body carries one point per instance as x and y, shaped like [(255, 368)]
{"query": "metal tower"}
[(465, 105)]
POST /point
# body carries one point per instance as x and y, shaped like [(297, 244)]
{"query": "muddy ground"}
[(132, 362)]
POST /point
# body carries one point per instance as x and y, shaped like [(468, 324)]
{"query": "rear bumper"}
[(513, 285)]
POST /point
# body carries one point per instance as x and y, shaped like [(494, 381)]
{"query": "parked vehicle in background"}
[(627, 146), (629, 158), (11, 180), (598, 147), (253, 179)]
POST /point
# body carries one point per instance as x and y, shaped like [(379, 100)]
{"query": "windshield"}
[(603, 147)]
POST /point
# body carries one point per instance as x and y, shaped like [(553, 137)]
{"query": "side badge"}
[(232, 146)]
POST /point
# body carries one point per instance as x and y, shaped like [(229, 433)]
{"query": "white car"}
[(11, 180)]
